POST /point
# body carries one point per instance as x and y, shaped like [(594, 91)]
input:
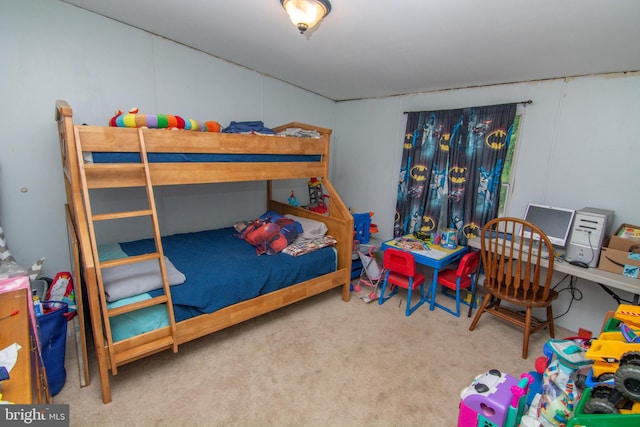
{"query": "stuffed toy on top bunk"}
[(134, 119)]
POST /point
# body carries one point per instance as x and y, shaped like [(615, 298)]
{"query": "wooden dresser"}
[(27, 378)]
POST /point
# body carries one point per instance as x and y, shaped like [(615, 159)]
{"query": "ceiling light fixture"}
[(305, 14)]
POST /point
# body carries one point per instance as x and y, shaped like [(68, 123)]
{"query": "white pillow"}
[(132, 279), (311, 229)]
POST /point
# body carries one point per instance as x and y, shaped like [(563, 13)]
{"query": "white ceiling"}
[(378, 48)]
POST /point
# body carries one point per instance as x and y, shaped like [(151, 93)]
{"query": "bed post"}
[(269, 192), (78, 320), (338, 209), (342, 230), (64, 117)]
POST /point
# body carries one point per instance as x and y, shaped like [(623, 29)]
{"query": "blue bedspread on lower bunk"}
[(222, 269)]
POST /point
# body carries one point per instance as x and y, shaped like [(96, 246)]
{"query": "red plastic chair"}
[(459, 278), (400, 268)]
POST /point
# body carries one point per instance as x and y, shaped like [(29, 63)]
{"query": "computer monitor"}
[(553, 221)]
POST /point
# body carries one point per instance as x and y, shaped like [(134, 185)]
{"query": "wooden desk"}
[(602, 278), (15, 329), (436, 258)]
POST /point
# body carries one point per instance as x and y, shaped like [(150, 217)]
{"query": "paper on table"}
[(9, 356), (432, 253)]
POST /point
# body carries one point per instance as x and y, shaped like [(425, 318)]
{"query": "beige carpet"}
[(321, 362)]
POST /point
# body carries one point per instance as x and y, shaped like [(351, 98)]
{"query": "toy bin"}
[(356, 266), (612, 325), (580, 419), (361, 225), (52, 329)]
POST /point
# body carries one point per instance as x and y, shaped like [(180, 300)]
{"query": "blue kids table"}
[(430, 255)]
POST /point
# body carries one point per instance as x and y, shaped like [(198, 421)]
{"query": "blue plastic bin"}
[(361, 225), (52, 329)]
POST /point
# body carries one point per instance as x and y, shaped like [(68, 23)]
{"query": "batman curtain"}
[(451, 168)]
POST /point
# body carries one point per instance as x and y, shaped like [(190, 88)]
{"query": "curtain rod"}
[(528, 101)]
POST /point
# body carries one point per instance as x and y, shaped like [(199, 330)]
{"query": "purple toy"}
[(487, 398)]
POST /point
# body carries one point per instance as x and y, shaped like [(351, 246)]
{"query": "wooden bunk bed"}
[(88, 267)]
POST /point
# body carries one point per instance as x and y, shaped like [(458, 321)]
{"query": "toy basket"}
[(52, 328), (580, 419), (361, 226)]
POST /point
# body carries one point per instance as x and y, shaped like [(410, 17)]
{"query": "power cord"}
[(576, 294)]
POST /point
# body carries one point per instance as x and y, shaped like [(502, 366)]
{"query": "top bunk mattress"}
[(121, 145), (110, 157), (222, 269)]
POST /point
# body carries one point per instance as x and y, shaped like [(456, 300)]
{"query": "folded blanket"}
[(132, 279), (248, 127), (304, 247), (146, 319), (311, 229)]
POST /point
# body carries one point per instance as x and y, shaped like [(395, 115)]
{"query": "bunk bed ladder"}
[(164, 341)]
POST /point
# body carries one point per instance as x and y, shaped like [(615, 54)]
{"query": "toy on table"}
[(449, 238), (410, 244), (494, 399)]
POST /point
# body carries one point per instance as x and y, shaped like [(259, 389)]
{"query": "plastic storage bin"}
[(52, 329), (356, 266), (580, 419), (361, 225)]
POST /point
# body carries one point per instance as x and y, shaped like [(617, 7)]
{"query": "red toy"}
[(317, 202)]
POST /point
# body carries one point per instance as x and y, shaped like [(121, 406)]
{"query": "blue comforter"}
[(222, 269)]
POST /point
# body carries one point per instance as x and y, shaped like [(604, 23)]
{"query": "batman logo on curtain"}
[(458, 175), (497, 139), (420, 172)]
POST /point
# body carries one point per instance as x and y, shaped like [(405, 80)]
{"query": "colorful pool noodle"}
[(133, 119)]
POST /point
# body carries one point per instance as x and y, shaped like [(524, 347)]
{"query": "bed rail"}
[(124, 140)]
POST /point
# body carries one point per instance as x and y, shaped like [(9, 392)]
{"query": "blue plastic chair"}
[(400, 272)]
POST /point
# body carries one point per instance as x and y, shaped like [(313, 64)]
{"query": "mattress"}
[(220, 270), (109, 157)]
